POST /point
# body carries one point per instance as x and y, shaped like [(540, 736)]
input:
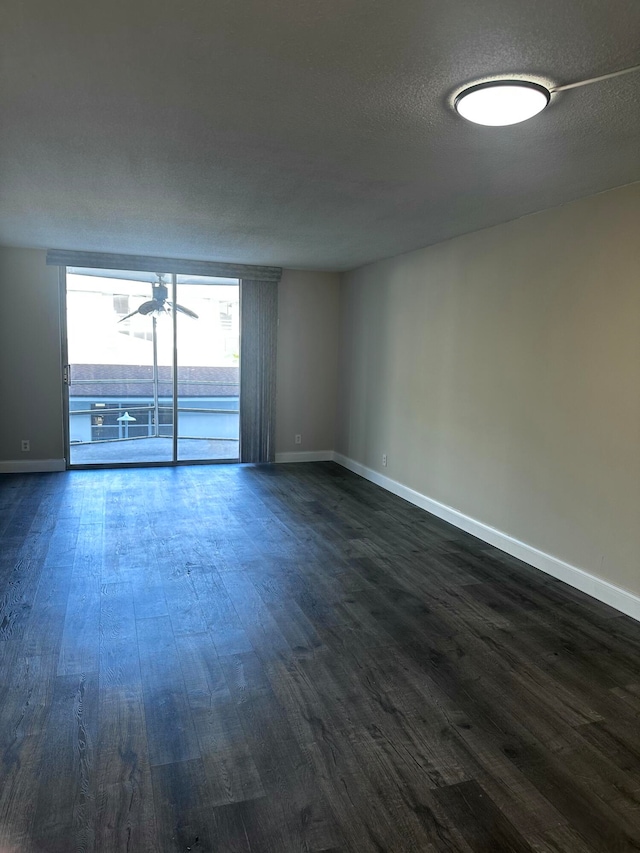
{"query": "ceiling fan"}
[(160, 303)]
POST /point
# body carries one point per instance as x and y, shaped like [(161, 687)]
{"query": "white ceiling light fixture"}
[(502, 102), (497, 103)]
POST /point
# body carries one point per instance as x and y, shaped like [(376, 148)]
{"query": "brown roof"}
[(135, 380)]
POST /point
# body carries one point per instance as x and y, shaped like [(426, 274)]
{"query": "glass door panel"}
[(208, 368), (120, 353)]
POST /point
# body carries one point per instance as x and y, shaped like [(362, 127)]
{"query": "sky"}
[(96, 337)]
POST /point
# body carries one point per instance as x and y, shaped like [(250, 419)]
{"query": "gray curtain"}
[(258, 340)]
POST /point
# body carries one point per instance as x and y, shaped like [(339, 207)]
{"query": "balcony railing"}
[(100, 422)]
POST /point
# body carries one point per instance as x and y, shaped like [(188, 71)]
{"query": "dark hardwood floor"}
[(271, 659)]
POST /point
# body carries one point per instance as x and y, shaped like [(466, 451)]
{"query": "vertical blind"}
[(258, 331)]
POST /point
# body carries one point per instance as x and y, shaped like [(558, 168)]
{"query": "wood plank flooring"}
[(276, 659)]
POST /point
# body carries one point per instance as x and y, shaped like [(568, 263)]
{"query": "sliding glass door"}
[(152, 373), (208, 368)]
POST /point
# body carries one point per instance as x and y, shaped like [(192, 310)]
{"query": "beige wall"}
[(30, 361), (500, 372), (307, 360)]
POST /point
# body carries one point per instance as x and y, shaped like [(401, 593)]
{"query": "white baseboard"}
[(617, 597), (306, 456), (32, 466)]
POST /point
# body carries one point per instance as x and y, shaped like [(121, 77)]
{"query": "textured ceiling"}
[(314, 133)]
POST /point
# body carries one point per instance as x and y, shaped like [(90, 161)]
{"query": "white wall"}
[(500, 372), (308, 308), (30, 360)]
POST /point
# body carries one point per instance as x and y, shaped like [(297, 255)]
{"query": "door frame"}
[(64, 366)]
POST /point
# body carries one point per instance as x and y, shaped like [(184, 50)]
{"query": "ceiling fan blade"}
[(184, 310), (122, 319), (151, 306), (146, 308)]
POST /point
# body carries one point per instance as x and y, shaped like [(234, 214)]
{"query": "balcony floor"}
[(160, 449)]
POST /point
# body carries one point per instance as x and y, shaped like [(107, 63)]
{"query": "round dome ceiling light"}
[(501, 102)]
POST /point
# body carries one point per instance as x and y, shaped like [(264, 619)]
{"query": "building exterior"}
[(101, 396)]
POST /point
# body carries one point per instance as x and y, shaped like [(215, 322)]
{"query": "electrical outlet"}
[(25, 445), (384, 460), (298, 439)]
